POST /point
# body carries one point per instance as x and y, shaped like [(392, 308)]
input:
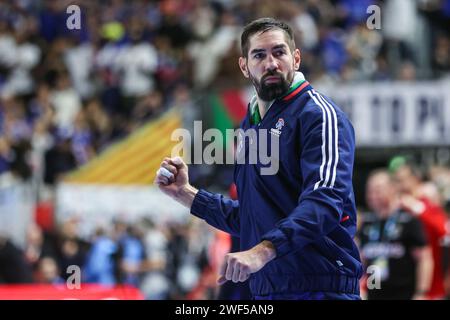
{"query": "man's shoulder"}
[(315, 104), (314, 108)]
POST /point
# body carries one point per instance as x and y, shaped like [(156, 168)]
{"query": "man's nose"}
[(271, 63)]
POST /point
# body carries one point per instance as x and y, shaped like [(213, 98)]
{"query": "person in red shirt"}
[(416, 199)]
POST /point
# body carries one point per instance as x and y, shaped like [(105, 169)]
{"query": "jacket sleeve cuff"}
[(200, 205), (279, 241)]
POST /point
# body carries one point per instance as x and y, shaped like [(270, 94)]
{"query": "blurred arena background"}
[(86, 116)]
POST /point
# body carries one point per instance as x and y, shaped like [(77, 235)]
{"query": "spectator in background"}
[(82, 139), (441, 56), (333, 51), (400, 30), (212, 45), (71, 252), (59, 159), (99, 123), (66, 101), (131, 253), (38, 244), (100, 266), (155, 283), (13, 266), (394, 242), (41, 141), (71, 248), (147, 107), (178, 244), (407, 72), (18, 55), (136, 63), (14, 123), (79, 60), (431, 215), (363, 46), (48, 272)]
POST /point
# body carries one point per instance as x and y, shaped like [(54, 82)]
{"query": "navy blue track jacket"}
[(307, 210)]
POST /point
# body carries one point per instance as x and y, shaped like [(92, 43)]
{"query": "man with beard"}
[(296, 226)]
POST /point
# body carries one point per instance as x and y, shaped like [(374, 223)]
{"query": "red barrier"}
[(61, 292)]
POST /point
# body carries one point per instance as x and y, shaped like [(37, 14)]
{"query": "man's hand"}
[(172, 178), (238, 266)]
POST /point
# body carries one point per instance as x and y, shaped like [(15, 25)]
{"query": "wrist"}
[(267, 250), (186, 195)]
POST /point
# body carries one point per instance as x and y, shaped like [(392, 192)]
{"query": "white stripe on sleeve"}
[(329, 142), (336, 136)]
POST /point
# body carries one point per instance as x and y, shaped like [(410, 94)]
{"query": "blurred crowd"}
[(404, 233), (66, 95), (165, 261)]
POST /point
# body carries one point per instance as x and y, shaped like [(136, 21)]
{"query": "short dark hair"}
[(262, 25)]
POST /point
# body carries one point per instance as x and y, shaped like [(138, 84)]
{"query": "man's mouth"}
[(272, 79)]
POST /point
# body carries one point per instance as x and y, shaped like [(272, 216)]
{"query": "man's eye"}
[(279, 53), (258, 56)]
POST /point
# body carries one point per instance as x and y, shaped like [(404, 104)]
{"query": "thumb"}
[(221, 280)]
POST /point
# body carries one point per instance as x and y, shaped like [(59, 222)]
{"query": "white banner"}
[(396, 114)]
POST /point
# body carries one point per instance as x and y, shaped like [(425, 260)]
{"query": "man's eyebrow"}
[(257, 51)]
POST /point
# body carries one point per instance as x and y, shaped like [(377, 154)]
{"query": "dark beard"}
[(271, 91)]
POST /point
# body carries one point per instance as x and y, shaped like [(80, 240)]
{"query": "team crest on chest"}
[(278, 126)]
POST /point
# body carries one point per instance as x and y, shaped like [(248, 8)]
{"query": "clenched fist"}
[(238, 266), (172, 178)]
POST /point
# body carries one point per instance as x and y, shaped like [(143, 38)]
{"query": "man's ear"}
[(297, 59), (243, 66)]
